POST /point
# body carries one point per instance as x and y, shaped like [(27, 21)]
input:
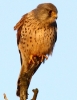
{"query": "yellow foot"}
[(31, 59), (43, 57)]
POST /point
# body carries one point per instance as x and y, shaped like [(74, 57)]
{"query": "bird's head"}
[(46, 13)]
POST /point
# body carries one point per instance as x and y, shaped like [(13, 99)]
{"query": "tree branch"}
[(5, 97), (35, 94), (25, 79)]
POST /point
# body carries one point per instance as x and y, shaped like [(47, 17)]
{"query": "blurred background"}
[(56, 79)]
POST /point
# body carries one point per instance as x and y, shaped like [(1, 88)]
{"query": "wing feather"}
[(18, 27)]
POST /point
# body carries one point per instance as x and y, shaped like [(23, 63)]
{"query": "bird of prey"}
[(36, 34)]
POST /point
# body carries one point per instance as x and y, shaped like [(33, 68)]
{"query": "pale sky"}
[(56, 79)]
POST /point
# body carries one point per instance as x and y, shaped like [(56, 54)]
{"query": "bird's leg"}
[(31, 59), (43, 57), (40, 56)]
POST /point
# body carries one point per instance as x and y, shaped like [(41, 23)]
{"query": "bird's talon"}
[(31, 59), (43, 57)]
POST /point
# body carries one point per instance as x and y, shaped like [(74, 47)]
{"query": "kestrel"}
[(36, 34)]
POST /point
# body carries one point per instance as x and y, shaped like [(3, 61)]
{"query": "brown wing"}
[(18, 27), (55, 31), (55, 28)]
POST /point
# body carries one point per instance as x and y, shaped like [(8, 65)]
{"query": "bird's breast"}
[(37, 39)]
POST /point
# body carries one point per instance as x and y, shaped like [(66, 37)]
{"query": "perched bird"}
[(36, 34)]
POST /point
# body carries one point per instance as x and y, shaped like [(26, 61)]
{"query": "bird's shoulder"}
[(25, 18)]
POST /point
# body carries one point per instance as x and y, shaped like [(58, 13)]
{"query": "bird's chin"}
[(53, 20), (48, 21)]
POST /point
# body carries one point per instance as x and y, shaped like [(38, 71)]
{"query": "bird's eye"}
[(50, 12)]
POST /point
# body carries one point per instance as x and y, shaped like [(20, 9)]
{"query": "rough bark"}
[(25, 80)]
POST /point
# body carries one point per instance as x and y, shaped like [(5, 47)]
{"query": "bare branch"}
[(5, 97), (25, 80), (35, 94)]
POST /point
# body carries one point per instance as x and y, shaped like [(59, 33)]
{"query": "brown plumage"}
[(36, 34)]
